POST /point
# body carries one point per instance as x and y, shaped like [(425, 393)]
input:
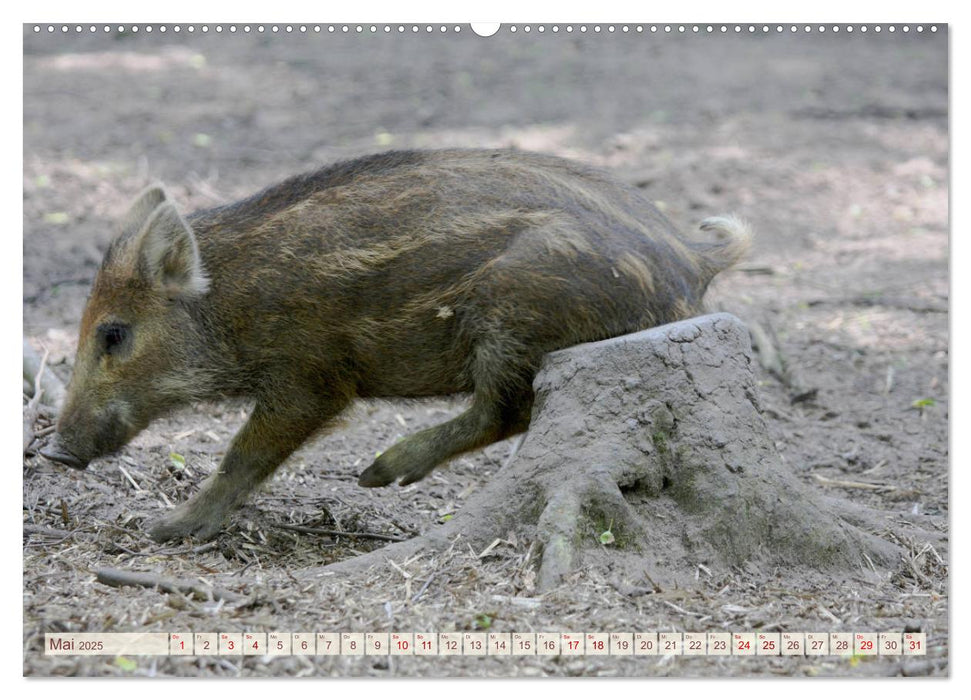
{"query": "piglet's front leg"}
[(269, 436)]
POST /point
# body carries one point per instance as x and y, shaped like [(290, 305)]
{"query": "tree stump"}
[(658, 438)]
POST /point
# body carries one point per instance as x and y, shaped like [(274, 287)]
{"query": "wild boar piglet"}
[(404, 274)]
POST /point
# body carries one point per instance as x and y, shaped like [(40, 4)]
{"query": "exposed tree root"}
[(118, 578), (43, 386), (657, 437), (32, 409)]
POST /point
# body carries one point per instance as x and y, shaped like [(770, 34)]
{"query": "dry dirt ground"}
[(833, 147)]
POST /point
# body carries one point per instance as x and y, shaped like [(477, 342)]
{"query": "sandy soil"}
[(834, 148)]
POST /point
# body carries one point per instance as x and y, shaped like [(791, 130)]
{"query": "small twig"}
[(118, 578), (519, 601), (226, 665), (340, 533), (853, 484), (202, 548), (45, 431), (826, 613), (424, 587), (397, 568), (657, 588), (918, 575), (875, 468), (129, 477), (914, 304), (132, 552), (485, 552), (679, 609), (514, 449), (754, 269), (32, 529), (525, 558), (773, 360), (769, 356), (869, 562)]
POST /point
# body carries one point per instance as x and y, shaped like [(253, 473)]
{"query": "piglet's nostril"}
[(56, 451)]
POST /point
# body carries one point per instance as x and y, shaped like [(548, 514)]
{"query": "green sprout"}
[(607, 537)]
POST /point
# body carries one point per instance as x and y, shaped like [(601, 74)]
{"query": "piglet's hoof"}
[(378, 474), (182, 523), (403, 461)]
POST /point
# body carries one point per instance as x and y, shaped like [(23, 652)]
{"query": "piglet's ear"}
[(146, 203), (168, 256)]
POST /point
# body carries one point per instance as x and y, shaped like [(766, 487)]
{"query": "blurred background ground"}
[(833, 146)]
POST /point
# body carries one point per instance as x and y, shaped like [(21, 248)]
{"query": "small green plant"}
[(56, 217), (177, 460), (125, 664), (607, 537), (483, 621), (660, 441)]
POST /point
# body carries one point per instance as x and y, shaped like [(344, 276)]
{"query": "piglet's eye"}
[(114, 337)]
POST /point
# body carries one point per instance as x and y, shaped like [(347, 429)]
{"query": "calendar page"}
[(525, 349)]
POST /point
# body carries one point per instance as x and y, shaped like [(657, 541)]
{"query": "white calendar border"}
[(509, 10)]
